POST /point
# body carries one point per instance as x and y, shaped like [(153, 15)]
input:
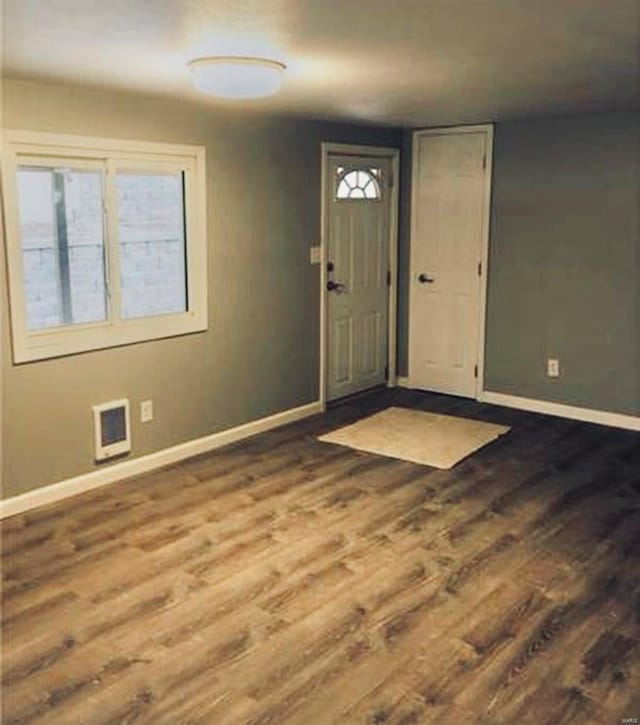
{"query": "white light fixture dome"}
[(237, 76)]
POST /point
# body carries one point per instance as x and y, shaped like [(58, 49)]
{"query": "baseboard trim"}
[(616, 420), (143, 464), (402, 381)]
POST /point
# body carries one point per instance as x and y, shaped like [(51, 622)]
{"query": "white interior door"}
[(357, 272), (448, 242)]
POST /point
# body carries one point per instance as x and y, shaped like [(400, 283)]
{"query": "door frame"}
[(329, 149), (487, 129)]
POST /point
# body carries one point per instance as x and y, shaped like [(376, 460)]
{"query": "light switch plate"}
[(315, 255), (146, 411), (553, 367)]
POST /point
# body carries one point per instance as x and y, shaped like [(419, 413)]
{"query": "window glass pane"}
[(62, 241), (343, 190), (370, 191), (152, 244)]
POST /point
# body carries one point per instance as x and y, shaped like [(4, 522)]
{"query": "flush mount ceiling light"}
[(237, 76)]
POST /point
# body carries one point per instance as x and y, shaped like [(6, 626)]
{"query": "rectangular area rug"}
[(432, 439)]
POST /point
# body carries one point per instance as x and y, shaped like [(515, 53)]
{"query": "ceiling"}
[(395, 62)]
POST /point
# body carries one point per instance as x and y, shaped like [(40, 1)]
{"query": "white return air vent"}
[(112, 429)]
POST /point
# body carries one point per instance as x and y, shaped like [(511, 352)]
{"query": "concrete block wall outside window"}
[(151, 235), (40, 255)]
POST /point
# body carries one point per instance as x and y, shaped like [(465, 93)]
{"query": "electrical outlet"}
[(146, 411), (553, 367)]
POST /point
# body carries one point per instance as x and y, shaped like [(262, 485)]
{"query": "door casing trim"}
[(487, 129), (328, 148)]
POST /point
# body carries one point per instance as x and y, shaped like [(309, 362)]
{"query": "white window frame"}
[(21, 147)]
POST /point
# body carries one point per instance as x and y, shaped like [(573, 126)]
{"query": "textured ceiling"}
[(400, 62)]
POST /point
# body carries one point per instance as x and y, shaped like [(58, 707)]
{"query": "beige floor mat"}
[(414, 435)]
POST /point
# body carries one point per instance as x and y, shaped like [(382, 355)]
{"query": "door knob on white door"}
[(425, 279), (336, 286)]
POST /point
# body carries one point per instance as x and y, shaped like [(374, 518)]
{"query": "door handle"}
[(335, 286), (424, 279)]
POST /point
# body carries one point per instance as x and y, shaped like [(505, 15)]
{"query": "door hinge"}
[(484, 161), (475, 371), (386, 372), (479, 269), (391, 180), (388, 278)]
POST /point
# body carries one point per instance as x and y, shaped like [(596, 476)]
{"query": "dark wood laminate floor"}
[(287, 580)]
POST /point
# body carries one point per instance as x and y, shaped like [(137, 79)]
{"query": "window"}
[(357, 183), (151, 234), (62, 244), (106, 242)]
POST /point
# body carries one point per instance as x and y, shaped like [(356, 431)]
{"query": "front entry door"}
[(451, 175), (358, 272)]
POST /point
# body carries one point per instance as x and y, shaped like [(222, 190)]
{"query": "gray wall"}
[(564, 272), (260, 355)]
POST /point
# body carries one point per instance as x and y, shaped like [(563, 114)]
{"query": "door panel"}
[(370, 345), (358, 252), (446, 250), (343, 351)]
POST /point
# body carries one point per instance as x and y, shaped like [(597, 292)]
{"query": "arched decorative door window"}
[(357, 184)]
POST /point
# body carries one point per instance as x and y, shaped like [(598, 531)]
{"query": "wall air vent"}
[(112, 429)]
